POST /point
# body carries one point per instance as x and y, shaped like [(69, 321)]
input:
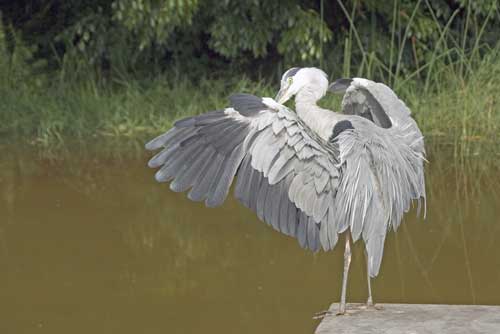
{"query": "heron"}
[(313, 174)]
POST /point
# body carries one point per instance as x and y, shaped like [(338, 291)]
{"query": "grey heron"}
[(311, 174)]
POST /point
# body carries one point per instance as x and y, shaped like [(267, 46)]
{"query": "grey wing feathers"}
[(247, 104), (359, 101), (377, 103), (290, 160), (283, 174), (196, 152), (381, 175), (381, 165)]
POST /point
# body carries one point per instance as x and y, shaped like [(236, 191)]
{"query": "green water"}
[(94, 245)]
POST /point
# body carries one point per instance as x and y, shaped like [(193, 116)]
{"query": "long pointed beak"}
[(283, 95)]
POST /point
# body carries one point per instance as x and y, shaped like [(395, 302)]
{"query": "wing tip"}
[(153, 164), (160, 177), (150, 145)]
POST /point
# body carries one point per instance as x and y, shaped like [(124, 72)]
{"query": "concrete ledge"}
[(412, 319)]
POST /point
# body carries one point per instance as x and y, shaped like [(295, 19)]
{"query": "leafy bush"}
[(149, 37)]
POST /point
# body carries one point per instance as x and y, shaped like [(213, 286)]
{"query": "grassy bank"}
[(84, 111), (458, 114)]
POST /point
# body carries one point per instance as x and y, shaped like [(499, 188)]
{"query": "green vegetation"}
[(124, 71), (460, 114), (193, 37)]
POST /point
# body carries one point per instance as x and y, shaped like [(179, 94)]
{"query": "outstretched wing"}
[(381, 164), (285, 173), (381, 175), (380, 104)]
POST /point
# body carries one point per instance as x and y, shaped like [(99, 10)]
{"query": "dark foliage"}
[(143, 38)]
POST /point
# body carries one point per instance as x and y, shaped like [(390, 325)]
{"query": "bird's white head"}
[(307, 79)]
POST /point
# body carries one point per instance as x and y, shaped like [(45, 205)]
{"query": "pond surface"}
[(92, 245)]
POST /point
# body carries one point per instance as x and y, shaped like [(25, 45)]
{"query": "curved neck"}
[(320, 120), (305, 100)]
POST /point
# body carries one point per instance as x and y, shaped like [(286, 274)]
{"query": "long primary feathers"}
[(282, 173)]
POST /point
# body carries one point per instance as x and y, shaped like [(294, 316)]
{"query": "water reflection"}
[(95, 245)]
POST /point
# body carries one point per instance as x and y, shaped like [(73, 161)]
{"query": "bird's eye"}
[(289, 80)]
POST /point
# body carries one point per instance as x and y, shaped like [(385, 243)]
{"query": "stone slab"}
[(412, 319)]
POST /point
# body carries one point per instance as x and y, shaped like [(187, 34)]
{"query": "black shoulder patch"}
[(247, 104), (339, 128)]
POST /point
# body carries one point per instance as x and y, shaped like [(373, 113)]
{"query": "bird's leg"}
[(347, 262), (369, 302)]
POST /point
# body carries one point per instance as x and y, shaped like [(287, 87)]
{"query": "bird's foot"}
[(342, 310), (322, 314), (370, 305), (354, 308), (327, 313)]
